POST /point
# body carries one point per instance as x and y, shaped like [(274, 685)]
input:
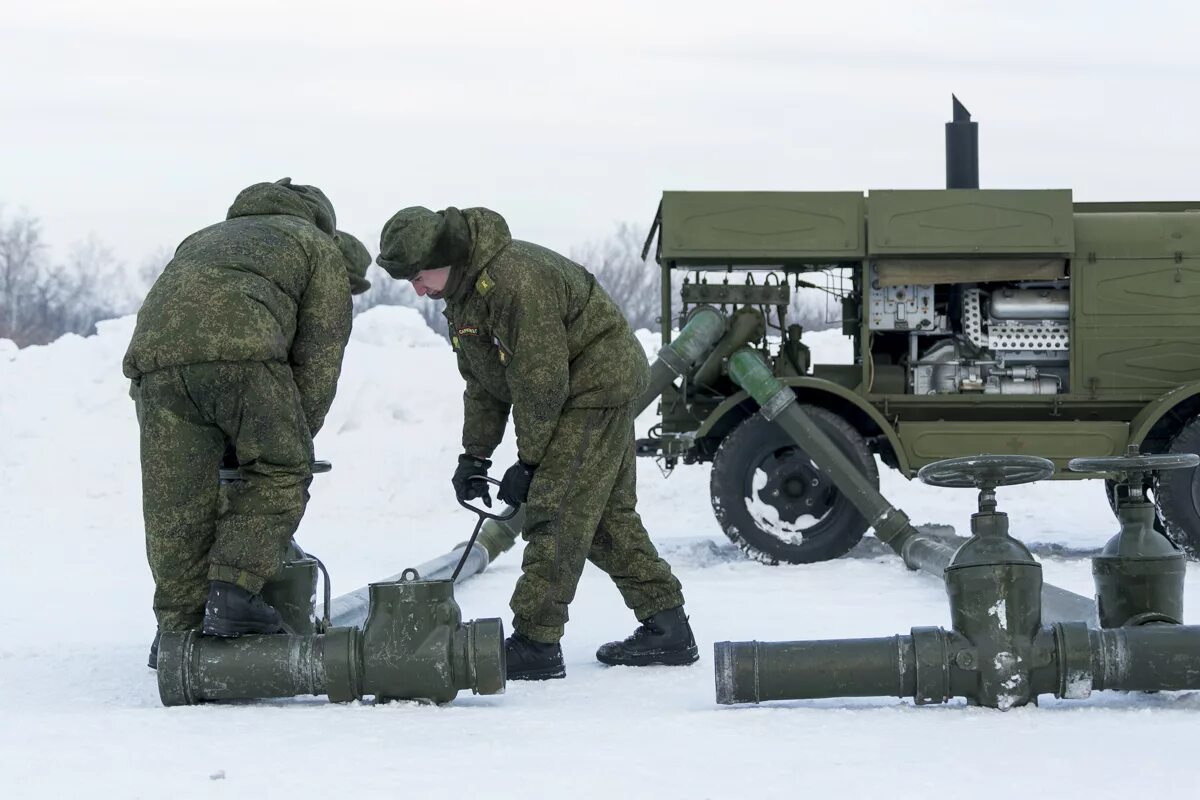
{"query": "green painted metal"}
[(1135, 293), (1059, 441), (716, 228), (414, 646), (975, 222)]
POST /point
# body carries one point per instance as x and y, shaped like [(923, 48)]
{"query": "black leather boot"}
[(233, 611), (152, 662), (664, 638), (528, 660)]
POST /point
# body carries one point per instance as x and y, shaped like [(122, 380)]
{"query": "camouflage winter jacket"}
[(268, 284), (533, 331)]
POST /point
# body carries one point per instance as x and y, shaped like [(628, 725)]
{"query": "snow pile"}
[(79, 711)]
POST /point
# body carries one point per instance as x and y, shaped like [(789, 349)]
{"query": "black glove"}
[(467, 485), (514, 486)]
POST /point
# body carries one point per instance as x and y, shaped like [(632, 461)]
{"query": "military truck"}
[(982, 321)]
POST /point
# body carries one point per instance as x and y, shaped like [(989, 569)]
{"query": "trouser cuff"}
[(660, 604), (547, 634), (247, 580)]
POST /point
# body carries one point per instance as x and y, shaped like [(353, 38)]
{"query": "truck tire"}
[(1177, 493), (774, 503)]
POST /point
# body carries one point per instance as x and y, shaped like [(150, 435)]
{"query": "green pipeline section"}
[(931, 665), (998, 653), (414, 646)]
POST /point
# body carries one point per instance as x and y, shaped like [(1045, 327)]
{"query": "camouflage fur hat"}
[(285, 197), (357, 261), (416, 238)]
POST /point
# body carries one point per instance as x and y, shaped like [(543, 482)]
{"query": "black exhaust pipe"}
[(962, 149)]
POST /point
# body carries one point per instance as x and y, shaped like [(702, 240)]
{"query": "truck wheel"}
[(774, 502), (1177, 493)]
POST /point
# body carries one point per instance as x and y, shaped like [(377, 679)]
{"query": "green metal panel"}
[(970, 222), (1143, 205), (720, 228), (1136, 304), (926, 442)]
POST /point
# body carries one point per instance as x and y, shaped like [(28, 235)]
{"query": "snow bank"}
[(79, 710)]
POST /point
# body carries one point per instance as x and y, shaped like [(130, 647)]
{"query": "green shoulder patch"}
[(484, 283)]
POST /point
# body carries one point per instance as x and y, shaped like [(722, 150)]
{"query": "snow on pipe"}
[(704, 329), (931, 665), (892, 526)]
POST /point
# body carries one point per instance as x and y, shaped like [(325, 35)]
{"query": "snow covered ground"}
[(79, 711)]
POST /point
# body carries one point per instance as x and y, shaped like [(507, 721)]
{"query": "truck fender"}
[(806, 387), (1149, 416)]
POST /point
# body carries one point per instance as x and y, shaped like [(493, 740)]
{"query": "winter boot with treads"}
[(663, 638), (528, 660), (233, 611)]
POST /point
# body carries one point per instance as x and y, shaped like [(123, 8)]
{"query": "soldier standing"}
[(239, 344), (535, 334)]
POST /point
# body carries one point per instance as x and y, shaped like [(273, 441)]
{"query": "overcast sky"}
[(139, 120)]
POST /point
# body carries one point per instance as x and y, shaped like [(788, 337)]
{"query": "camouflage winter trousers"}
[(582, 507), (195, 533)]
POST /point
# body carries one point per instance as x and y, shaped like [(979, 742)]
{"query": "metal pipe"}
[(704, 329), (962, 149), (1146, 658), (754, 672), (414, 645), (1068, 660)]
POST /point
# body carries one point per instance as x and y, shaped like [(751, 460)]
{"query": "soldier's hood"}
[(489, 235), (284, 197)]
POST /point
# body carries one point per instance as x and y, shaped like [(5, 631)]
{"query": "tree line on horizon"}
[(42, 298)]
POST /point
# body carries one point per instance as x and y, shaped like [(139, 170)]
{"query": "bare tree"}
[(631, 282), (38, 301)]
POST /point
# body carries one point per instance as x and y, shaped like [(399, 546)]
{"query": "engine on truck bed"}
[(993, 337)]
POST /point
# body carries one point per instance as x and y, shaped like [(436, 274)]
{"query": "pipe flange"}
[(176, 666), (932, 657), (487, 669), (1073, 644), (341, 654)]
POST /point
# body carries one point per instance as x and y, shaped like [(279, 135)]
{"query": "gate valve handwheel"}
[(1126, 466), (1132, 469), (985, 472)]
